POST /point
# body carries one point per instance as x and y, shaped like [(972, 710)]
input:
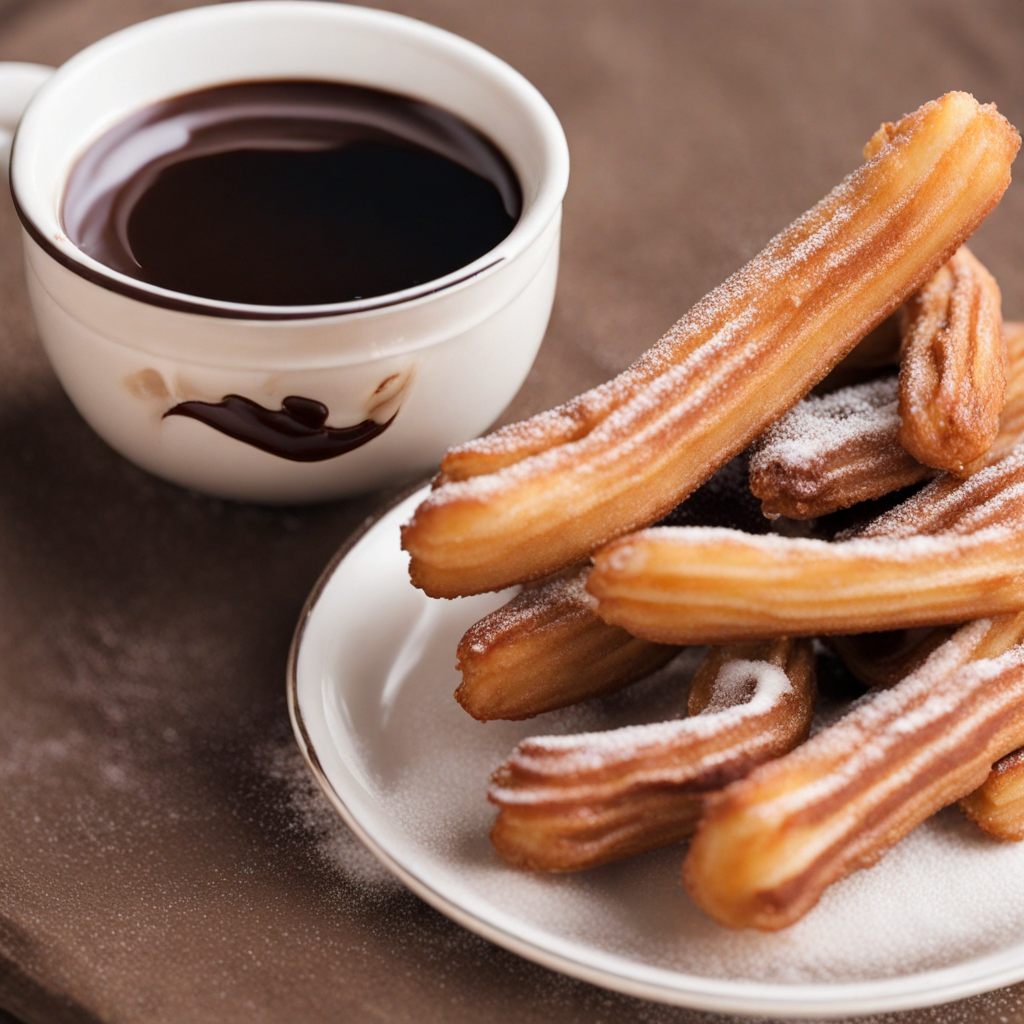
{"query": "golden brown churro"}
[(997, 805), (954, 551), (832, 451), (540, 495), (1011, 421), (546, 649), (953, 365), (989, 498), (573, 802), (769, 844), (881, 660), (871, 355)]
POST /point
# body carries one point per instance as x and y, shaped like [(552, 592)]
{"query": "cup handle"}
[(18, 84)]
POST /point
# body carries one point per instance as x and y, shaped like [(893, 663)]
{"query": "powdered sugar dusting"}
[(564, 596), (945, 895), (991, 496), (818, 427), (770, 684), (709, 360), (335, 843), (946, 689), (589, 752), (900, 549)]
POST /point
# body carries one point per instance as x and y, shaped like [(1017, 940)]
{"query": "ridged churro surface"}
[(881, 660), (1011, 420), (694, 586), (573, 802), (769, 844), (952, 366), (543, 494), (992, 497), (952, 552), (832, 451), (997, 805), (547, 649)]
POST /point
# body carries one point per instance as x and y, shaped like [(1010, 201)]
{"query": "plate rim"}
[(715, 995)]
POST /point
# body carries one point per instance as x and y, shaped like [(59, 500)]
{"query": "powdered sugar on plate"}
[(375, 683)]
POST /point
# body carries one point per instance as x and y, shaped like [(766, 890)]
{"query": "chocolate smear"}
[(296, 431)]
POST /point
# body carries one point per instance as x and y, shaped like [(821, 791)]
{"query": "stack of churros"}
[(856, 369)]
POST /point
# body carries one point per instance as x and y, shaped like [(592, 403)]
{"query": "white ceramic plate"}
[(370, 683)]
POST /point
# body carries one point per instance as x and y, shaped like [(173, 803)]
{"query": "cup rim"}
[(535, 217)]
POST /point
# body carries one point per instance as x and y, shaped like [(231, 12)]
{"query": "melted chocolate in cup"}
[(290, 193)]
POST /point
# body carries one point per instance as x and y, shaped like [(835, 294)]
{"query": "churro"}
[(872, 354), (1011, 420), (768, 845), (952, 365), (952, 552), (881, 660), (538, 496), (546, 649), (990, 498), (832, 451), (573, 802), (997, 805)]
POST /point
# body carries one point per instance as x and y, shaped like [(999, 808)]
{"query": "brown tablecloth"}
[(163, 855)]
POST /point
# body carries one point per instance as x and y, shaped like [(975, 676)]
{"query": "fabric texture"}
[(163, 853)]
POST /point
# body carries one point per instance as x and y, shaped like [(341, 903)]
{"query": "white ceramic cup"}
[(443, 358)]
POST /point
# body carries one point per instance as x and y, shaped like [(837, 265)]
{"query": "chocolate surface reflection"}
[(296, 431), (290, 193)]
